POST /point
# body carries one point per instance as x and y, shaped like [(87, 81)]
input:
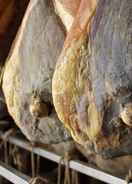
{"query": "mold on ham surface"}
[(28, 75), (69, 61), (96, 65)]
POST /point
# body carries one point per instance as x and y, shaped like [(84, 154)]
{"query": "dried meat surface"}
[(28, 75)]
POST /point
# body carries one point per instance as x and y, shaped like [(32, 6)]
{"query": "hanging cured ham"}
[(28, 75), (92, 83)]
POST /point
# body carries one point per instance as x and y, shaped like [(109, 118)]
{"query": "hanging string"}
[(67, 172), (60, 170), (15, 152), (1, 144), (6, 152), (6, 135), (10, 152), (128, 177), (67, 177), (38, 165), (75, 177), (4, 142), (33, 163)]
